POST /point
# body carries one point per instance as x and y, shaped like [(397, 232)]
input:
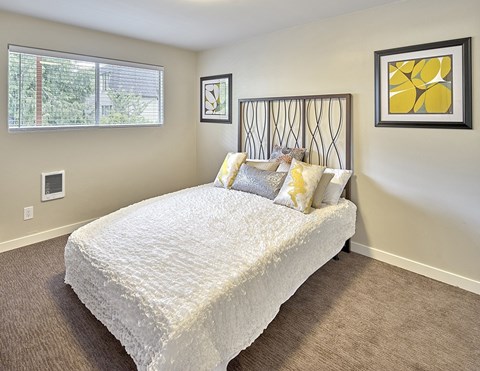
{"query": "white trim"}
[(416, 267), (41, 236), (79, 57)]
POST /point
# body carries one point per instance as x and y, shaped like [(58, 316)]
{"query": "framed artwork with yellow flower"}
[(427, 86), (216, 99)]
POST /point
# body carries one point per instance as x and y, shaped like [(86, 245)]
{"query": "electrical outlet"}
[(28, 213)]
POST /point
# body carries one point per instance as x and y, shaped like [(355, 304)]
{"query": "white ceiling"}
[(190, 24)]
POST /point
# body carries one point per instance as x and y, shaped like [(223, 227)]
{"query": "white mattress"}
[(187, 280)]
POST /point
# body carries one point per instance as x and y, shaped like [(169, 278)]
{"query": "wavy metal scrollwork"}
[(317, 123)]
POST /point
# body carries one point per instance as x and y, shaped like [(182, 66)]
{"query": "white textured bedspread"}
[(187, 280)]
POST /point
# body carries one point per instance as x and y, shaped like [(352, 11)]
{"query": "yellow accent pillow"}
[(299, 186), (229, 169)]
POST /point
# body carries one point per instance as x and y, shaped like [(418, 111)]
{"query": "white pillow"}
[(283, 167), (320, 191), (263, 164), (299, 186), (336, 186)]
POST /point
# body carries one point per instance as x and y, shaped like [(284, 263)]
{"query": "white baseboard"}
[(416, 267), (41, 236)]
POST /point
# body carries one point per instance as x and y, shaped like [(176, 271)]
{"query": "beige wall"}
[(417, 190), (105, 168)]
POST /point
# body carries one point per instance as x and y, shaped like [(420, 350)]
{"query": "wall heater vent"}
[(53, 185)]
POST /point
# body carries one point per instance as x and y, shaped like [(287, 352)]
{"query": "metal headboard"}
[(319, 123)]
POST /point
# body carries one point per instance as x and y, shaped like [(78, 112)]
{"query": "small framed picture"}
[(427, 86), (216, 99)]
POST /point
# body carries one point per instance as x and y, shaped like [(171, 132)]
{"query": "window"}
[(48, 89)]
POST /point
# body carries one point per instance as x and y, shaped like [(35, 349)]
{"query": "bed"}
[(187, 280)]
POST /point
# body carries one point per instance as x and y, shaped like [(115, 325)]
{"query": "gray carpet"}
[(354, 314)]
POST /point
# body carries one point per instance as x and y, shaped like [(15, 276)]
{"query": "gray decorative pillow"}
[(286, 154), (260, 182)]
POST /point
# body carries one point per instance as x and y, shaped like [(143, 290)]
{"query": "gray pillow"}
[(286, 154), (260, 182)]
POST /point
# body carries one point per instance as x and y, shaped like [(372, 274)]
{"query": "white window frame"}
[(99, 60)]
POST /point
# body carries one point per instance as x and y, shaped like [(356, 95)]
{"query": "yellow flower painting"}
[(425, 86), (216, 98), (420, 86)]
